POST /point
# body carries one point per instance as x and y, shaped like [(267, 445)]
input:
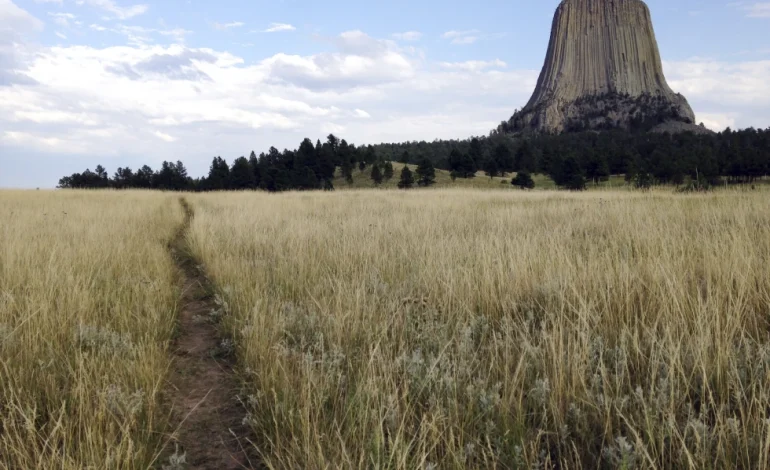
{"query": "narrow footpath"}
[(202, 388)]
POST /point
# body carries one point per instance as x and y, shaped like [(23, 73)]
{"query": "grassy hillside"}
[(362, 179)]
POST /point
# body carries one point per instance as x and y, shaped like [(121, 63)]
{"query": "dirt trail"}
[(202, 386)]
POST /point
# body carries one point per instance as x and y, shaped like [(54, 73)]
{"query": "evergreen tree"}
[(525, 157), (571, 176), (143, 177), (347, 172), (407, 180), (404, 158), (242, 175), (387, 172), (256, 169), (361, 166), (523, 180), (490, 167), (123, 178), (376, 174), (219, 175), (504, 159), (426, 173)]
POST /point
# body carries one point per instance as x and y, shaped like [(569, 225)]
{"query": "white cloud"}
[(279, 27), (474, 65), (15, 19), (408, 36), (462, 37), (121, 13), (97, 27), (226, 26), (757, 10), (163, 136), (62, 19), (145, 102), (722, 93), (61, 35), (15, 25)]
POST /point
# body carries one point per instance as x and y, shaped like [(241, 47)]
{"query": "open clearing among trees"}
[(381, 329)]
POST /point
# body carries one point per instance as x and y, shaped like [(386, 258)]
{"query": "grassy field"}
[(497, 329), (87, 300), (362, 180), (433, 329)]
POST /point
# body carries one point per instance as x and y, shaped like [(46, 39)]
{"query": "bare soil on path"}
[(202, 388)]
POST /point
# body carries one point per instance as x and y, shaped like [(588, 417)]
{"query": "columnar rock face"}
[(602, 70)]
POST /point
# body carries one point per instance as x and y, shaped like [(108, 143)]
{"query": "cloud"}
[(62, 19), (755, 10), (74, 106), (723, 93), (474, 65), (408, 36), (139, 35), (121, 13), (164, 136), (226, 26), (279, 28), (15, 25), (362, 60), (61, 35), (462, 37)]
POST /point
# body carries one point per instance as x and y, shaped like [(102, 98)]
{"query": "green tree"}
[(426, 174), (404, 157), (504, 159), (523, 180), (242, 175), (490, 167), (572, 175), (376, 174), (347, 171), (387, 172), (407, 180)]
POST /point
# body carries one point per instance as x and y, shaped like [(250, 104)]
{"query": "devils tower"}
[(602, 71)]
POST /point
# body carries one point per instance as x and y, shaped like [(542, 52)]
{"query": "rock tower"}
[(602, 71)]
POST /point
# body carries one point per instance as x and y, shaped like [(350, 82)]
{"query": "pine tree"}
[(426, 174), (523, 180), (376, 174), (490, 167), (347, 171), (407, 180), (388, 171), (242, 175)]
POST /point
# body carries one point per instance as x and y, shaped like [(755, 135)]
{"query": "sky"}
[(133, 82)]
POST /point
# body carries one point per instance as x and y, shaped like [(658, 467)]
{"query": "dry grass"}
[(87, 300), (465, 329)]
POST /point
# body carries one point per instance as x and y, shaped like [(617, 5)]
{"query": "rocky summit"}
[(603, 71)]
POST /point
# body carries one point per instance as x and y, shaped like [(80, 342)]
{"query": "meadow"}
[(424, 329), (87, 300), (465, 329)]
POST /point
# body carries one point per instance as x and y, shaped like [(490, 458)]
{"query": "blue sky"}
[(124, 83)]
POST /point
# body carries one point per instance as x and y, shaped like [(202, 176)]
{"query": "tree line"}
[(310, 166), (574, 159)]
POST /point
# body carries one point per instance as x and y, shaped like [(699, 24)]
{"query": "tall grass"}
[(461, 329), (87, 300)]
